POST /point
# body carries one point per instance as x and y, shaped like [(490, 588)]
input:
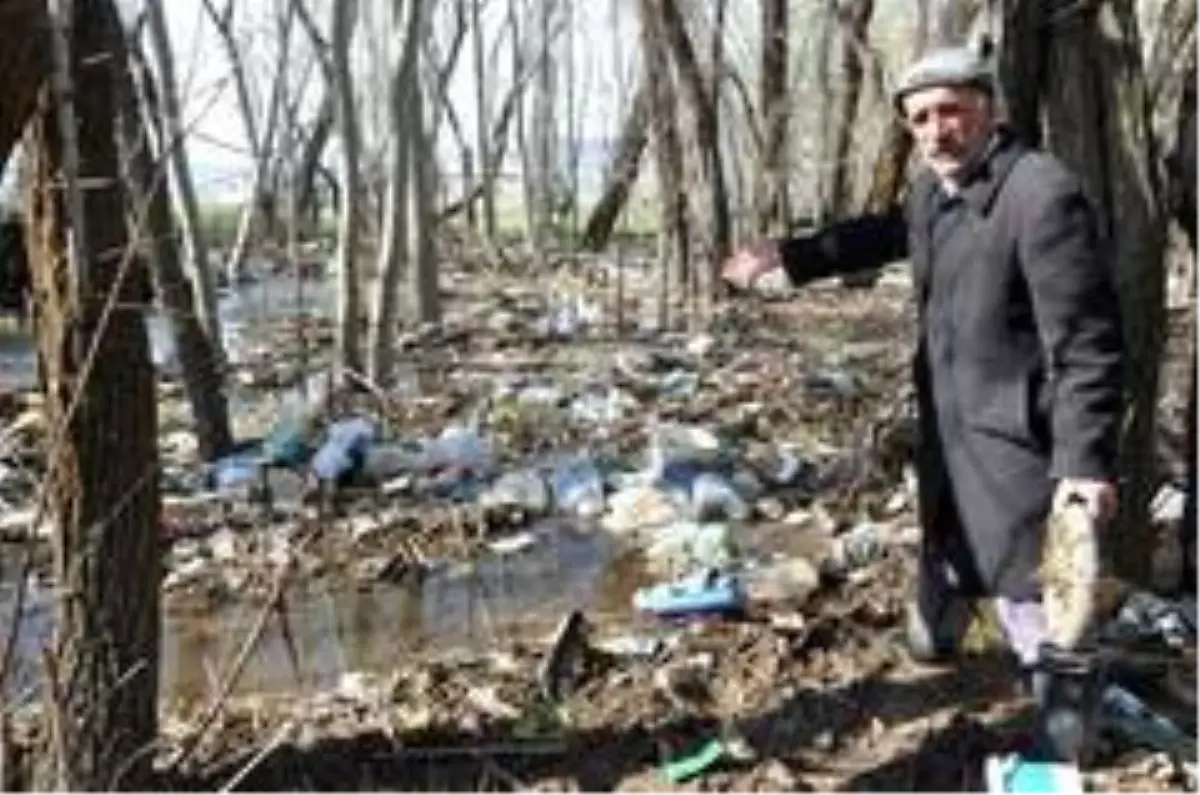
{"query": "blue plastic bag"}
[(344, 449)]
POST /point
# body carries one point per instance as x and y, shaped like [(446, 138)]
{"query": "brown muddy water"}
[(328, 629)]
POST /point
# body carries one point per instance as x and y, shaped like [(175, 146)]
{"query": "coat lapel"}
[(979, 194), (921, 215)]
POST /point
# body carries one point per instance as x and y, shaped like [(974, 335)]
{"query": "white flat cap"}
[(947, 66)]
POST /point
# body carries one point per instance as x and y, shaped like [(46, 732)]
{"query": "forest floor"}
[(800, 402)]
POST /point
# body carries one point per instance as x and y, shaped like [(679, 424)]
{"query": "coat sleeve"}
[(1079, 323), (862, 243)]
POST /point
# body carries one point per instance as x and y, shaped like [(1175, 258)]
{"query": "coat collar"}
[(986, 179)]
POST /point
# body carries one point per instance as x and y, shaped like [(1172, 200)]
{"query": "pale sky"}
[(218, 143)]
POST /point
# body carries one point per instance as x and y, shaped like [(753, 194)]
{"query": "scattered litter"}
[(344, 449), (1123, 712), (568, 650), (635, 646), (578, 486), (1014, 774), (705, 592), (688, 767), (524, 489), (511, 545), (686, 546)]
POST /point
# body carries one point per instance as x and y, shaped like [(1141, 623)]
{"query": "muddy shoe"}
[(933, 633), (1070, 574)]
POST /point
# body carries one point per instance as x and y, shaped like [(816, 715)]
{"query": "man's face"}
[(949, 125)]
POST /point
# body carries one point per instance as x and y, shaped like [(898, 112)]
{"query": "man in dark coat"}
[(1018, 362)]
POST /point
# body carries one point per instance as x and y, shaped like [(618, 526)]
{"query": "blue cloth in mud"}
[(345, 446)]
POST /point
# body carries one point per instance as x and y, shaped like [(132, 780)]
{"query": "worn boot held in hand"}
[(1070, 574)]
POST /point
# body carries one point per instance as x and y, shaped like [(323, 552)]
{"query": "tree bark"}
[(347, 348), (424, 276), (853, 18), (889, 169), (306, 172), (1182, 173), (771, 184), (543, 161), (103, 483), (261, 147), (888, 174), (199, 359), (701, 109), (673, 254), (187, 205), (622, 171), (26, 64), (1022, 58), (483, 111), (1098, 120), (393, 251)]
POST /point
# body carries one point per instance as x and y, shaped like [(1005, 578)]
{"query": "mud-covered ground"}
[(808, 690)]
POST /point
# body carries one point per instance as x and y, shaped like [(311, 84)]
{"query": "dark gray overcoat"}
[(1018, 362)]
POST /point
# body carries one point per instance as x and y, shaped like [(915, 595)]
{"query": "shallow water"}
[(330, 629), (270, 298)]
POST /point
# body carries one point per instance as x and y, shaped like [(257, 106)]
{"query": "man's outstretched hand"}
[(746, 265)]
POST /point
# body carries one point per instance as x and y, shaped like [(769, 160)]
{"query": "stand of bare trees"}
[(726, 101)]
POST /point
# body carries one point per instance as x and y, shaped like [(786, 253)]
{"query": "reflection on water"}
[(270, 298), (36, 624), (327, 630)]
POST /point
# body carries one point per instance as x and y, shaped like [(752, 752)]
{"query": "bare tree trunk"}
[(568, 198), (853, 18), (771, 182), (199, 360), (544, 161), (1022, 67), (1097, 119), (888, 172), (103, 484), (1188, 529), (673, 226), (700, 106), (483, 112), (497, 148), (890, 165), (825, 95), (27, 56), (305, 174), (393, 251), (622, 171), (261, 147), (1181, 172), (424, 278), (186, 204), (347, 337)]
